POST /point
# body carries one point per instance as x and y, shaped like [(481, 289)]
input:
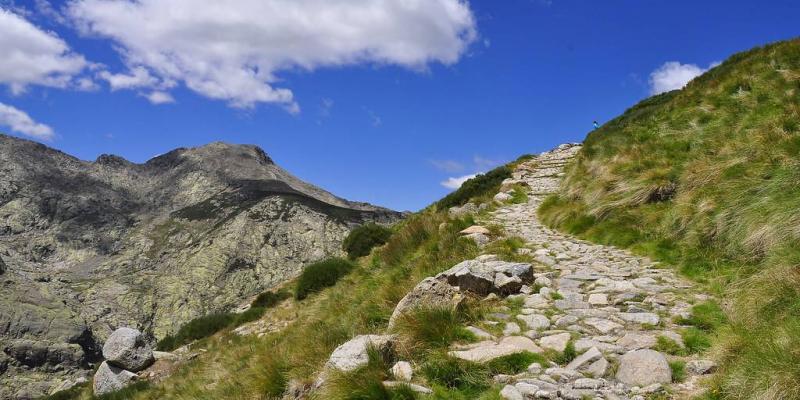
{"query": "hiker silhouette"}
[(595, 124)]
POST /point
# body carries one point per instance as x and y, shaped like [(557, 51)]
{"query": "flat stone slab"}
[(489, 350)]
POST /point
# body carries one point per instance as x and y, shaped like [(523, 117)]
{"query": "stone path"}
[(610, 305)]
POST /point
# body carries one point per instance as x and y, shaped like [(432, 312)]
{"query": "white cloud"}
[(32, 56), (158, 97), (138, 77), (674, 75), (233, 50), (456, 182), (20, 122)]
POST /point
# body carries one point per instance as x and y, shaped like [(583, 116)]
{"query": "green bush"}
[(196, 329), (320, 275), (476, 187), (269, 299), (363, 239)]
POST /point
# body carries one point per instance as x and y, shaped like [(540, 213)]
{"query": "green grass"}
[(320, 275), (669, 346), (360, 241), (514, 363), (195, 329), (426, 329), (678, 370), (270, 299), (705, 179)]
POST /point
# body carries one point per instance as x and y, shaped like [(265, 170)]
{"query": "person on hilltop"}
[(595, 124)]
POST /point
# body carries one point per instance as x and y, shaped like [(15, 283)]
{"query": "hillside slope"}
[(708, 178), (87, 247)]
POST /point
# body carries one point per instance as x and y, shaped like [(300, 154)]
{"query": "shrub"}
[(363, 239), (196, 329), (269, 299), (320, 275), (475, 187)]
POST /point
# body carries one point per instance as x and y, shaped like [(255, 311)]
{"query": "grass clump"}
[(454, 373), (566, 356), (196, 329), (678, 370), (360, 241), (270, 299), (425, 329), (667, 345), (320, 275), (514, 363), (481, 185)]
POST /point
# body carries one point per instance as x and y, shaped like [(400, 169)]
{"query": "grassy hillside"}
[(708, 179)]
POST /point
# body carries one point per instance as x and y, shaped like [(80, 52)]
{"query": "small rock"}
[(598, 299), (511, 329), (587, 357), (535, 321), (412, 386), (555, 342), (597, 369), (643, 368), (479, 333), (353, 354), (700, 367), (402, 371), (587, 383), (535, 368), (476, 229), (511, 393), (502, 197)]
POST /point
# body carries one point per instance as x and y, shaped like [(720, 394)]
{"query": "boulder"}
[(109, 378), (479, 239), (643, 368), (471, 275), (128, 349), (430, 293), (511, 393), (354, 353), (466, 209)]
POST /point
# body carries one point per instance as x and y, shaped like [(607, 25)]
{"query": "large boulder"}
[(109, 378), (355, 353), (488, 276), (430, 293), (643, 368), (128, 349)]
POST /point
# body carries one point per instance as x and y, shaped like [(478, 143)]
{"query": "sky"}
[(393, 102)]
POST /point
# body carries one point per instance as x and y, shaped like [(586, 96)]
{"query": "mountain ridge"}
[(91, 246)]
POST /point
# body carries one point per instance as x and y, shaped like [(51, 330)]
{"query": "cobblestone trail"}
[(614, 307)]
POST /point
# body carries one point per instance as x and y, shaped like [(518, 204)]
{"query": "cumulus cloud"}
[(673, 75), (233, 50), (32, 56), (158, 97), (456, 182), (20, 122)]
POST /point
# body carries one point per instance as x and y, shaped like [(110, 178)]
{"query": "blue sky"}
[(374, 101)]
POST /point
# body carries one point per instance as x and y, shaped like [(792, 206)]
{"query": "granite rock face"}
[(90, 246)]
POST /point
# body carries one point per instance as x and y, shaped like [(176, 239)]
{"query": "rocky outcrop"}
[(96, 245), (430, 293)]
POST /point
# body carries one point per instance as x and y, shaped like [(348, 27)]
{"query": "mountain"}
[(86, 247), (708, 179)]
